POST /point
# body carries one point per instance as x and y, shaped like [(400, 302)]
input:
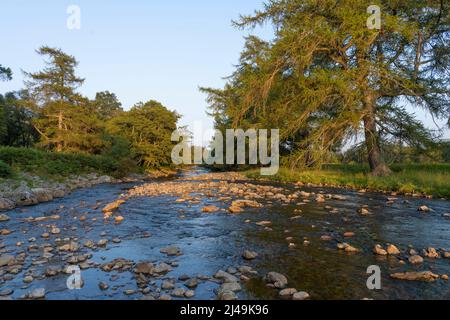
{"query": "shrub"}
[(5, 170)]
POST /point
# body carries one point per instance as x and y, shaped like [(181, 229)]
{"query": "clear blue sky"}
[(138, 49)]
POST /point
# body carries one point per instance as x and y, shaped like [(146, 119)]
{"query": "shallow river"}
[(212, 242)]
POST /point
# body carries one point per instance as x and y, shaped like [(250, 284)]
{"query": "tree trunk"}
[(376, 162), (59, 146)]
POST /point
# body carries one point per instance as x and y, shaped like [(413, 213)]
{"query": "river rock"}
[(25, 198), (235, 209), (225, 276), (287, 292), (6, 260), (162, 268), (113, 206), (226, 296), (103, 286), (416, 259), (6, 204), (392, 250), (171, 251), (338, 197), (246, 204), (102, 243), (6, 292), (146, 268), (300, 295), (426, 276), (37, 293), (227, 291), (178, 292), (424, 209), (364, 211), (189, 294), (347, 248), (230, 286), (43, 195), (4, 218), (5, 232), (277, 279), (379, 250), (210, 209), (249, 255), (431, 253), (167, 285), (58, 193), (349, 234), (192, 283)]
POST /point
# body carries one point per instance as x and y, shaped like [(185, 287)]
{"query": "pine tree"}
[(328, 75), (54, 97)]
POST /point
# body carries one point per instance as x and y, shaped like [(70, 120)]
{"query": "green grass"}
[(59, 165), (430, 179)]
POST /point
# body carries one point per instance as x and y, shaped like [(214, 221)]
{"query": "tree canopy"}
[(326, 77)]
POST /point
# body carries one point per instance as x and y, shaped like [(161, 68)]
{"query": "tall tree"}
[(327, 73), (148, 127), (54, 95), (5, 73), (107, 105), (16, 128)]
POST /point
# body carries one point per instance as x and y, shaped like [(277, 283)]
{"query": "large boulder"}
[(6, 204), (42, 194)]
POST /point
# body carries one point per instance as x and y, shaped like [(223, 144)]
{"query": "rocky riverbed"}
[(221, 236)]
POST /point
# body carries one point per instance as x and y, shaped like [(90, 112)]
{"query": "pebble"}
[(392, 250), (192, 283), (379, 250), (287, 292), (300, 295), (189, 294), (249, 255), (103, 286), (277, 279), (167, 285), (416, 259), (37, 293)]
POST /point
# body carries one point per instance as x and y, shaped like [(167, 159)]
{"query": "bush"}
[(5, 170), (61, 164)]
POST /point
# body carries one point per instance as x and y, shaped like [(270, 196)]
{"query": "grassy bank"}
[(59, 165), (431, 179)]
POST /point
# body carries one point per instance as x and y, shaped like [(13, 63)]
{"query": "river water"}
[(212, 242)]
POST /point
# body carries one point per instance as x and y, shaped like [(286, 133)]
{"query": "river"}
[(212, 242)]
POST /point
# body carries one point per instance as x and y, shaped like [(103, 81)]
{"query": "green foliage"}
[(326, 77), (16, 128), (432, 179), (5, 170), (61, 164), (106, 105), (148, 127), (64, 120), (5, 73)]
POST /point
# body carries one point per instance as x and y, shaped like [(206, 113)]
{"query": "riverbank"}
[(30, 176), (411, 180)]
